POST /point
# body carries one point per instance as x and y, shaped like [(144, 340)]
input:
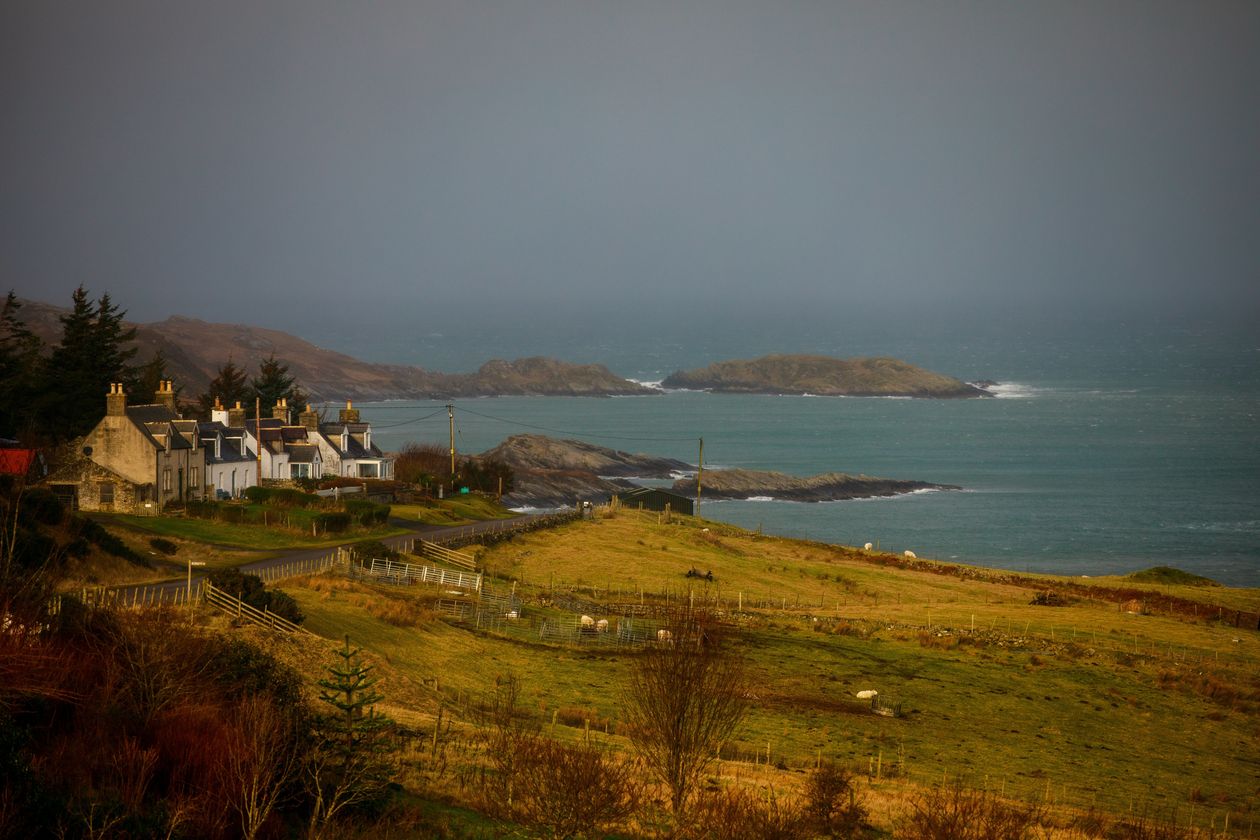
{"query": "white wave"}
[(646, 383), (1014, 391), (759, 499)]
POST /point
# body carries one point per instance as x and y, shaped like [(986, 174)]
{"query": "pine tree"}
[(21, 371), (151, 375), (351, 760), (230, 386), (92, 354), (273, 383)]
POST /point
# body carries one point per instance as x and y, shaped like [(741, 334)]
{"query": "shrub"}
[(281, 497), (92, 531), (577, 790), (831, 805), (734, 814), (373, 549), (954, 812), (164, 546), (43, 506), (366, 512), (333, 523)]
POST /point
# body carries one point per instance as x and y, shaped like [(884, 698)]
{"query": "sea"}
[(1110, 448)]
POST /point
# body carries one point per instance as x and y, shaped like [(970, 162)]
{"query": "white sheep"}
[(587, 622), (664, 637), (910, 554), (601, 626), (867, 694), (512, 615), (868, 546)]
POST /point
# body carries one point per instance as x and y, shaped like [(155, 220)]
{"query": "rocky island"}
[(558, 473), (823, 376), (828, 487)]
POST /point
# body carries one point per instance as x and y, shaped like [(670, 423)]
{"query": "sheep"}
[(910, 554), (587, 622), (601, 626), (512, 615), (664, 637), (867, 694), (868, 546)]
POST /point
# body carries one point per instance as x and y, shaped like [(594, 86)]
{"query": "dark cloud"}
[(277, 162)]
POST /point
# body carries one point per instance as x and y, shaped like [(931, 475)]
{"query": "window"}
[(105, 492), (299, 470), (166, 480), (192, 477)]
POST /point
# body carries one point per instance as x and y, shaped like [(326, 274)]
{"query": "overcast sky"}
[(291, 163)]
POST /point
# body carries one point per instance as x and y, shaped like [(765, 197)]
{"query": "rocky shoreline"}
[(551, 473), (823, 376), (828, 487)]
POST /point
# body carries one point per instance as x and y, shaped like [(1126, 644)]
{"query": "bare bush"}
[(685, 697), (572, 790), (736, 814), (831, 804), (954, 812)]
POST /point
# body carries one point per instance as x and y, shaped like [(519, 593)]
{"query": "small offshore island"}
[(823, 376), (555, 473)]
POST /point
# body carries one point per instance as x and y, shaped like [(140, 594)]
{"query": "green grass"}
[(1171, 576), (459, 510), (260, 537), (1085, 703)]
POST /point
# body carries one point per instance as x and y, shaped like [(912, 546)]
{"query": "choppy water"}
[(1103, 455)]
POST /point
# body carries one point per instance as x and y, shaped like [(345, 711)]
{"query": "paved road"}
[(431, 533)]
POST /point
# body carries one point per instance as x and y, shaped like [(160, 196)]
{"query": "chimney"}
[(115, 401), (281, 411), (219, 414), (236, 417), (349, 414), (309, 419), (166, 395)]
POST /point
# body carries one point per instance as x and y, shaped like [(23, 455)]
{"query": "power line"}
[(407, 422)]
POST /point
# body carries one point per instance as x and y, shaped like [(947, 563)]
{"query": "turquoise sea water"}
[(1103, 455)]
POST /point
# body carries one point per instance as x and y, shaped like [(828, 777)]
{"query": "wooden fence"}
[(442, 554), (309, 566), (396, 572), (234, 606)]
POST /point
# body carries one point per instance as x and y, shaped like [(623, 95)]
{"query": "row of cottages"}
[(140, 458)]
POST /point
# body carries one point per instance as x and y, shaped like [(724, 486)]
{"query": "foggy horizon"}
[(317, 169)]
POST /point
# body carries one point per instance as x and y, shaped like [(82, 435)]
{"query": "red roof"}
[(16, 461)]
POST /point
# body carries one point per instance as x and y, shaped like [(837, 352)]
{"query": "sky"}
[(309, 165)]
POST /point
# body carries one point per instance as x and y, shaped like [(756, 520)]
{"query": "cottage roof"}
[(303, 453)]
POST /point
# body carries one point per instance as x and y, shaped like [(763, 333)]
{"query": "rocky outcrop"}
[(823, 376), (828, 487), (558, 473), (539, 452)]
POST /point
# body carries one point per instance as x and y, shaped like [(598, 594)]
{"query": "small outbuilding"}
[(654, 498)]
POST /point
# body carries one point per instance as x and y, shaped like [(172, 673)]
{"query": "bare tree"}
[(685, 697), (261, 761)]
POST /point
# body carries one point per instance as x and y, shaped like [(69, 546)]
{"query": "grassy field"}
[(458, 510), (1079, 705), (289, 531)]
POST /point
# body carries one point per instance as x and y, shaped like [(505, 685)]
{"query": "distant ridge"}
[(195, 350), (823, 376)]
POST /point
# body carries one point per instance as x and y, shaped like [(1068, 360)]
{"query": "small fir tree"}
[(351, 761), (93, 353)]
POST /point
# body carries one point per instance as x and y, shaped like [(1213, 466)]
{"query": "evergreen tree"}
[(273, 383), (151, 375), (229, 386), (351, 760), (92, 354), (21, 371)]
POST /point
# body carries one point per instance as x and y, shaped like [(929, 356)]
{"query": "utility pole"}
[(258, 436), (450, 413), (699, 476)]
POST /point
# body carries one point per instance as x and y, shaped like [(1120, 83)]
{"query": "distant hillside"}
[(195, 350), (824, 376)]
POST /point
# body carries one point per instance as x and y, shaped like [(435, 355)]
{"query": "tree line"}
[(49, 395)]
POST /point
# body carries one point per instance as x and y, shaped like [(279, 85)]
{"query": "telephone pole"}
[(699, 476), (450, 413)]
